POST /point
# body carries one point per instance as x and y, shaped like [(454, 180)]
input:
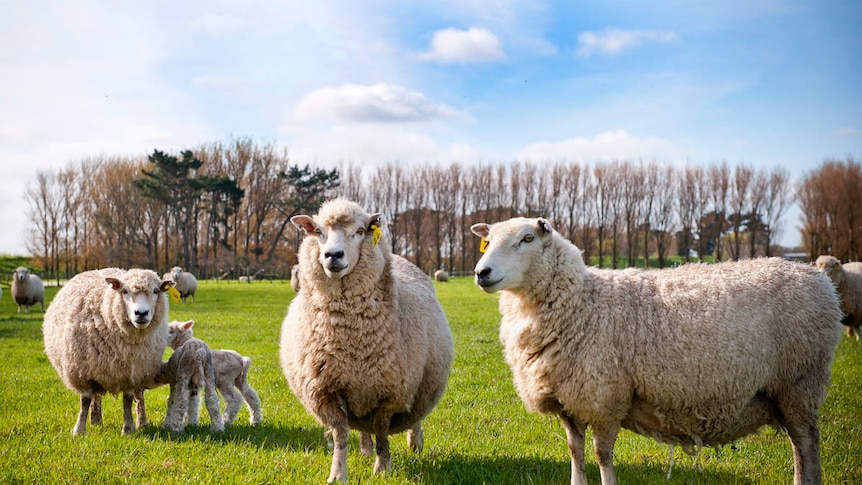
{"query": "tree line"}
[(223, 209)]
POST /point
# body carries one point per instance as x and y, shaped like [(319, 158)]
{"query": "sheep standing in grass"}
[(441, 275), (27, 289), (105, 332), (231, 377), (847, 279), (186, 283), (365, 344), (294, 278), (189, 369), (693, 356)]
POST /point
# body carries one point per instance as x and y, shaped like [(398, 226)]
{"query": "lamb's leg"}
[(416, 438), (140, 409), (252, 401), (213, 405), (128, 421), (604, 437), (233, 403), (96, 410), (81, 425), (177, 406), (575, 440), (193, 410), (366, 444)]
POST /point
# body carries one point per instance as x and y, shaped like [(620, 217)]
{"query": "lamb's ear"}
[(481, 229), (545, 226), (188, 325), (305, 223), (163, 287), (114, 283)]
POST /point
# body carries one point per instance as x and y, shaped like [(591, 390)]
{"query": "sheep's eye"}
[(528, 238), (360, 231)]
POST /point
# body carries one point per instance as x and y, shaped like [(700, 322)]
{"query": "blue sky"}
[(763, 83)]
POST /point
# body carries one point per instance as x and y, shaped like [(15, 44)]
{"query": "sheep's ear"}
[(114, 283), (305, 223), (545, 226), (375, 220), (188, 325), (166, 284), (481, 229)]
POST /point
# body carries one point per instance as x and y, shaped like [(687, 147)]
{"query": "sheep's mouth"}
[(141, 323), (335, 269), (488, 285)]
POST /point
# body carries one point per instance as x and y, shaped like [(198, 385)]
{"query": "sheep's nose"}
[(484, 273), (142, 313), (334, 254)]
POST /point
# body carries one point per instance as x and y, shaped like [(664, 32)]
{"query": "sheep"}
[(365, 344), (186, 283), (848, 281), (189, 369), (294, 278), (105, 331), (700, 355), (441, 275), (27, 289)]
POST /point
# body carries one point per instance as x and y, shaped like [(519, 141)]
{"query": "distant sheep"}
[(105, 332), (27, 289), (365, 344), (294, 278), (186, 283), (441, 275), (700, 355), (189, 369), (848, 281)]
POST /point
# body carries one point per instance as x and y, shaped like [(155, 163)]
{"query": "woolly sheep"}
[(693, 356), (27, 289), (848, 281), (294, 278), (105, 332), (189, 369), (231, 373), (365, 344), (441, 275), (186, 283)]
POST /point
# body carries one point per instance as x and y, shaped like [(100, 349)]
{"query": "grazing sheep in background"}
[(441, 275), (847, 279), (365, 344), (27, 289), (189, 369), (105, 332), (294, 278), (186, 283), (700, 355)]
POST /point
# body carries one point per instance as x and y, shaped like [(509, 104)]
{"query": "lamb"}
[(105, 331), (189, 369), (294, 278), (27, 289), (847, 279), (186, 283), (700, 355), (365, 344), (441, 275), (231, 373)]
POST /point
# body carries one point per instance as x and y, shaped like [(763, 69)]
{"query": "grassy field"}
[(479, 433)]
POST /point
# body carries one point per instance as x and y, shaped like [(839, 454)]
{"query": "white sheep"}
[(105, 332), (186, 283), (365, 344), (294, 278), (441, 275), (848, 281), (27, 289), (700, 355), (187, 371)]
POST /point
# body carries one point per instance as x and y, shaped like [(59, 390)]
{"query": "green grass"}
[(479, 433)]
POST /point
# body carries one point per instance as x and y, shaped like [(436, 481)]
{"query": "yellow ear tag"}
[(376, 234), (175, 295), (483, 246)]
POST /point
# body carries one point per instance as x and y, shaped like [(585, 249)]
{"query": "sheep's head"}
[(341, 228), (176, 272), (510, 248), (140, 290), (21, 273), (831, 267), (179, 333)]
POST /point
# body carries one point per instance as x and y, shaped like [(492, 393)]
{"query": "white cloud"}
[(464, 46), (613, 41), (607, 145), (215, 24), (377, 103), (848, 131)]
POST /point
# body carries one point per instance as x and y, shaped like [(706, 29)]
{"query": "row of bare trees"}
[(94, 213), (831, 201)]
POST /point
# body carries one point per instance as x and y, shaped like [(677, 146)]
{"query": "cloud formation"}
[(607, 145), (464, 46), (377, 103), (612, 41)]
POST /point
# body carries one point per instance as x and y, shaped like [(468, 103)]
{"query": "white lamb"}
[(365, 344), (848, 281), (27, 289), (189, 369), (186, 283), (105, 332), (693, 356)]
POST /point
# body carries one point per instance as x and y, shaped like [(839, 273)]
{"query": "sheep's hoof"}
[(380, 466), (78, 431), (415, 439), (128, 429), (366, 446)]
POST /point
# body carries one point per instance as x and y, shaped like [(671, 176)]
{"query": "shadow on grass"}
[(265, 436)]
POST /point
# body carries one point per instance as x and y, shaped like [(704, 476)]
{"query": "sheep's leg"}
[(177, 405), (96, 410), (604, 437), (233, 403), (416, 438), (338, 470), (213, 405), (140, 409), (81, 425), (128, 421), (575, 440), (381, 421), (366, 444), (805, 438), (193, 409), (252, 401)]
